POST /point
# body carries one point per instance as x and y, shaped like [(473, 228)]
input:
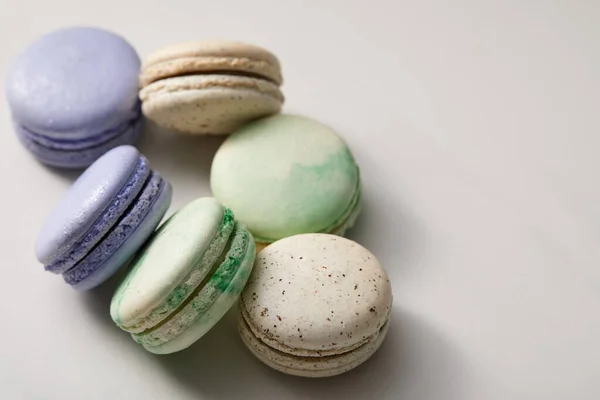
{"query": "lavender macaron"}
[(73, 95), (104, 218)]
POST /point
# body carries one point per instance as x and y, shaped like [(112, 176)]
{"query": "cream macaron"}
[(316, 305), (210, 87)]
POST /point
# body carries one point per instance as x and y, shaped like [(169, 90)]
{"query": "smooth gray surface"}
[(476, 125)]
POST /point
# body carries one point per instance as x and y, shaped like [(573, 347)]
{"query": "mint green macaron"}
[(286, 175), (187, 277)]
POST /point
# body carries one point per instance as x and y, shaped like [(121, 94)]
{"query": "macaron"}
[(188, 276), (285, 175), (210, 87), (104, 218), (316, 305), (73, 95)]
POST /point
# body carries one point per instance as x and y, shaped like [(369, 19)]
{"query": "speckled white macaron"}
[(316, 305)]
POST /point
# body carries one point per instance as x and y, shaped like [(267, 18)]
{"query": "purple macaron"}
[(104, 218), (73, 95)]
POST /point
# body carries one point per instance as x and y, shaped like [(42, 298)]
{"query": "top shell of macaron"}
[(211, 56), (317, 294), (74, 81), (85, 200), (285, 175)]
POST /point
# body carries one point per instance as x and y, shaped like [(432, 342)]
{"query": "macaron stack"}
[(286, 189)]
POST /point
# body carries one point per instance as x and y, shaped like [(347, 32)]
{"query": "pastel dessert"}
[(104, 218), (316, 305), (73, 96), (188, 276), (210, 87), (285, 175)]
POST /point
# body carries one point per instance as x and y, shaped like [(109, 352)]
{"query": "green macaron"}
[(285, 175), (187, 277)]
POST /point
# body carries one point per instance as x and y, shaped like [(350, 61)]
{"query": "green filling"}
[(180, 293), (200, 301)]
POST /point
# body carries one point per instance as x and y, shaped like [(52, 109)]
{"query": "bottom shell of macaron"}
[(82, 155), (345, 222), (310, 367)]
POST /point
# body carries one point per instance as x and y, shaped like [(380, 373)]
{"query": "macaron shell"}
[(211, 305), (74, 82), (213, 55), (344, 293), (348, 219), (86, 201), (345, 222), (310, 367), (211, 48), (179, 244), (285, 175), (121, 243), (209, 104), (215, 81), (78, 158)]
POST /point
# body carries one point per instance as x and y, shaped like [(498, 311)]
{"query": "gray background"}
[(477, 128)]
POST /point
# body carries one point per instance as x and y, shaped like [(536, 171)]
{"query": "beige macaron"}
[(210, 87), (316, 305)]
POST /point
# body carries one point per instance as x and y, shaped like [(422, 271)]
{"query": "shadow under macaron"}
[(69, 175), (172, 154), (414, 362), (98, 299)]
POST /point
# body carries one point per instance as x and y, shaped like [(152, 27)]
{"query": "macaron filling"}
[(60, 151), (127, 249), (189, 285), (311, 365), (266, 337), (83, 138), (202, 82), (211, 65), (217, 310), (216, 282), (125, 227), (109, 217)]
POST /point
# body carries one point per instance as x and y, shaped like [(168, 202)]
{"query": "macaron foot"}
[(306, 366)]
